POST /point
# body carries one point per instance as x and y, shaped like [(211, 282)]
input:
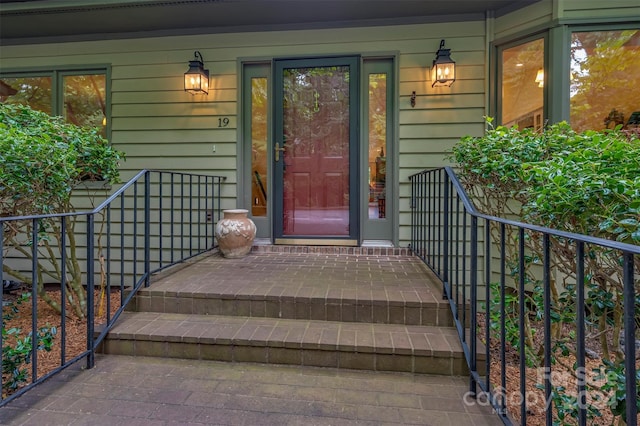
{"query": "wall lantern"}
[(196, 79), (540, 77), (443, 71)]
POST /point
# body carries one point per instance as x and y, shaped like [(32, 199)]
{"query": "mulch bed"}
[(75, 334), (561, 375)]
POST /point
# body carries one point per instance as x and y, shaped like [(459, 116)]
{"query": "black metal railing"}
[(514, 290), (156, 220)]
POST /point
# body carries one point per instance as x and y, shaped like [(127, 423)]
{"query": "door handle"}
[(277, 149)]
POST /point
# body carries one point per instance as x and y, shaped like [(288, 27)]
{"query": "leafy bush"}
[(583, 182), (42, 159), (590, 187)]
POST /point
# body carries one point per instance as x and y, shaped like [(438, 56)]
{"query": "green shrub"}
[(582, 182), (593, 188), (42, 159)]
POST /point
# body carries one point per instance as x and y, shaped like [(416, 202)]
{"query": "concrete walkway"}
[(123, 390)]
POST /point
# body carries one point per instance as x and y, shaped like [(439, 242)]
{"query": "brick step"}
[(367, 250), (380, 347), (389, 307)]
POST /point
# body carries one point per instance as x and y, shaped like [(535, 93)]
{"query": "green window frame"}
[(528, 70), (79, 94), (560, 80)]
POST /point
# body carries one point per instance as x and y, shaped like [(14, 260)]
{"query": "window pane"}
[(522, 85), (84, 100), (32, 91), (259, 146), (605, 79), (377, 145)]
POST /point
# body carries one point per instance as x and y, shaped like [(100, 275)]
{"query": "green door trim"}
[(379, 228), (245, 155)]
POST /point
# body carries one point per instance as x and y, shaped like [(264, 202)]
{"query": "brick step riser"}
[(330, 250), (377, 312), (252, 352)]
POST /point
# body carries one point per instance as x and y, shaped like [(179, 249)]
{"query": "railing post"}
[(147, 227), (1, 292), (35, 223), (423, 214), (503, 317), (135, 232), (413, 213), (445, 235), (122, 234), (218, 197), (546, 247), (474, 299), (487, 298), (190, 215), (521, 323), (580, 335), (213, 212), (629, 339), (90, 290), (172, 219), (160, 219), (63, 287), (199, 213)]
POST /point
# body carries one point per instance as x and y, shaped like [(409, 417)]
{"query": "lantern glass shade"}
[(443, 71), (196, 79)]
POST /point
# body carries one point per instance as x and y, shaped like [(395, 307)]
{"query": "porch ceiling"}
[(26, 21)]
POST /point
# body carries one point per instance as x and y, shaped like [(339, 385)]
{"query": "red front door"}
[(314, 150)]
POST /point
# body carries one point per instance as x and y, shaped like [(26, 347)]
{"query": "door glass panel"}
[(32, 91), (522, 85), (316, 151), (259, 177), (84, 100), (377, 145), (605, 71)]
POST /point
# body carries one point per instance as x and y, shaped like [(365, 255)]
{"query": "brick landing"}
[(123, 390)]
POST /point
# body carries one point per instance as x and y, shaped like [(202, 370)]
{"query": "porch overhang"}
[(46, 21)]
